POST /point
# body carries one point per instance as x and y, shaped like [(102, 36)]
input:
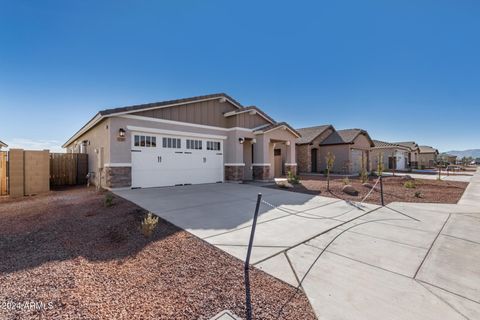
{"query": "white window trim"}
[(290, 164), (235, 164), (175, 133), (261, 164)]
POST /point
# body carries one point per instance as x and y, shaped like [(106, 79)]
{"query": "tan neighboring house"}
[(393, 156), (308, 148), (3, 145), (427, 157), (204, 139), (351, 148), (414, 152)]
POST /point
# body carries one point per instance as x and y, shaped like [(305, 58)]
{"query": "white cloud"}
[(30, 144)]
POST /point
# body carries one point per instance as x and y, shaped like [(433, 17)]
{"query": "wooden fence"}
[(68, 169), (3, 173)]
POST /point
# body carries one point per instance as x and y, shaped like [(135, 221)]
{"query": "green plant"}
[(418, 194), (410, 184), (346, 181), (294, 179), (108, 201), (149, 223), (330, 159)]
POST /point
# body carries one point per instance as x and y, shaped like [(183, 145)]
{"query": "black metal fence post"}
[(247, 260), (381, 191)]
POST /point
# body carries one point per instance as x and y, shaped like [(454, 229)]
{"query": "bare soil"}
[(429, 191), (86, 261)]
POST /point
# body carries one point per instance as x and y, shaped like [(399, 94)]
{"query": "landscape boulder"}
[(350, 190), (407, 178), (367, 185)]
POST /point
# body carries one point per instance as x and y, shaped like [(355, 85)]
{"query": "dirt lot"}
[(84, 260), (432, 191)]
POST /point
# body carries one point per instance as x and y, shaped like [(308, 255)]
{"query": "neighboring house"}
[(427, 156), (393, 156), (351, 148), (308, 148), (3, 145), (414, 152), (203, 139), (447, 158)]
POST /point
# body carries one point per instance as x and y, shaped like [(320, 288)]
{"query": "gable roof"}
[(346, 136), (311, 133), (427, 149), (248, 109), (409, 144), (2, 144), (146, 106), (384, 145), (265, 129)]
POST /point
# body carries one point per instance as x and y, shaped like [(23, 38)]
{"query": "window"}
[(173, 143), (194, 144), (144, 141), (213, 145)]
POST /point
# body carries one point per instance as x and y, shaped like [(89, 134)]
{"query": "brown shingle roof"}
[(427, 149), (309, 134), (409, 144), (345, 136), (384, 144)]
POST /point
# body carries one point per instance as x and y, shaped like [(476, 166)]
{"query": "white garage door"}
[(167, 160)]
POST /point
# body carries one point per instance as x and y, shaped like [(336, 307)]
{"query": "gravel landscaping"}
[(429, 191), (81, 259)]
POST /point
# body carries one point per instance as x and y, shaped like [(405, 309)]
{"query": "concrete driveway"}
[(404, 261)]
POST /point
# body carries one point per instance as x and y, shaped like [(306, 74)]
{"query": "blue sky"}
[(403, 70)]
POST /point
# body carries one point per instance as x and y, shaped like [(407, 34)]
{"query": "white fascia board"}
[(87, 127), (175, 104), (180, 123), (175, 132), (235, 164), (261, 164), (279, 127)]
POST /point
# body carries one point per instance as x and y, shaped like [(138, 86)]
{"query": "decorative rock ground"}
[(350, 190)]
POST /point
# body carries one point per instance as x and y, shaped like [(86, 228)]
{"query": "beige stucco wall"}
[(342, 157), (97, 148), (426, 159), (29, 172)]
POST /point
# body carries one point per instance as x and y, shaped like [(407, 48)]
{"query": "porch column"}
[(290, 163), (261, 157)]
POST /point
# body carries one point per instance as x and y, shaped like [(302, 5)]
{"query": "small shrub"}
[(418, 194), (364, 176), (346, 181), (149, 223), (108, 201), (292, 178), (409, 184)]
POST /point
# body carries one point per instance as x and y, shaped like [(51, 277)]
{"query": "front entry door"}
[(278, 162), (314, 160)]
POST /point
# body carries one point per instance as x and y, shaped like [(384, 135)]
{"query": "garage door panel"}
[(162, 166)]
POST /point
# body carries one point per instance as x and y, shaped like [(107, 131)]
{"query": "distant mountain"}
[(475, 153)]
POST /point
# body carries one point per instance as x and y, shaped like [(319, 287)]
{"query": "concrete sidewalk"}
[(402, 261)]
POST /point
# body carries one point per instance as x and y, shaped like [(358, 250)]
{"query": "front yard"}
[(66, 249), (421, 190)]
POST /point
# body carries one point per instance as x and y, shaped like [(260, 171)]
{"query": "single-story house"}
[(393, 156), (3, 145), (427, 156), (413, 155), (351, 148), (448, 158), (308, 148), (204, 139)]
